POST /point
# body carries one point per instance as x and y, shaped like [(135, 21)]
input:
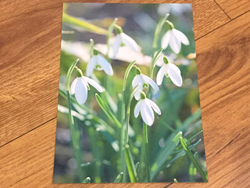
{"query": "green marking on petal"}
[(98, 66), (145, 85)]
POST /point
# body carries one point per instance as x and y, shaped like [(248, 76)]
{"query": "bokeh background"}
[(179, 106)]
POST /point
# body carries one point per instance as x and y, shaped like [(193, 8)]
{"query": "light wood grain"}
[(30, 59), (224, 82), (234, 8)]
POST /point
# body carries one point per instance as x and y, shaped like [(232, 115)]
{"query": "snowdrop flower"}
[(80, 87), (170, 70), (143, 81), (123, 39), (146, 107), (100, 63), (174, 38)]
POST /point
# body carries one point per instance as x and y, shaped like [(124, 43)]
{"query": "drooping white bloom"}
[(146, 107), (80, 87), (174, 38), (170, 70), (123, 39), (143, 81), (100, 63)]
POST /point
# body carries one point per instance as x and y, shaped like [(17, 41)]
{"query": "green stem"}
[(75, 136), (145, 134)]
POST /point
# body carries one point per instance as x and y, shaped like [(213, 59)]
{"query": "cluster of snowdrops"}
[(141, 82)]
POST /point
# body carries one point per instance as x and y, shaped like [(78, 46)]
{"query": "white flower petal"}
[(138, 93), (128, 41), (160, 74), (73, 85), (91, 66), (181, 36), (137, 80), (165, 40), (154, 106), (150, 81), (105, 65), (147, 113), (137, 109), (81, 91), (175, 44), (116, 45), (93, 83), (174, 74)]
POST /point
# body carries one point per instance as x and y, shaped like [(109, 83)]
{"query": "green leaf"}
[(130, 164), (180, 153), (158, 30), (193, 160), (192, 170), (127, 74), (175, 180), (82, 24), (137, 167), (119, 178), (163, 156), (156, 57), (87, 180), (107, 111), (70, 70)]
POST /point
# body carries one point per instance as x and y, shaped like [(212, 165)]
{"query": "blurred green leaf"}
[(87, 180), (85, 25), (192, 158), (118, 179), (107, 111), (130, 164), (163, 156), (192, 170)]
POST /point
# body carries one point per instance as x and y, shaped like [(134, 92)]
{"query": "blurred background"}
[(180, 106)]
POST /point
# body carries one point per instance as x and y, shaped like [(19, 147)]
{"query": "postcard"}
[(128, 103)]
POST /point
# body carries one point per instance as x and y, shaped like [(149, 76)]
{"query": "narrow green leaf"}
[(130, 165), (192, 170), (82, 24), (156, 57), (119, 178), (87, 180), (163, 156), (70, 70), (193, 160), (128, 69), (82, 109), (175, 180), (194, 136), (107, 111), (137, 167), (158, 30)]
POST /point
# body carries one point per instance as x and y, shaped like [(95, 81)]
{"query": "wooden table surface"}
[(30, 34)]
